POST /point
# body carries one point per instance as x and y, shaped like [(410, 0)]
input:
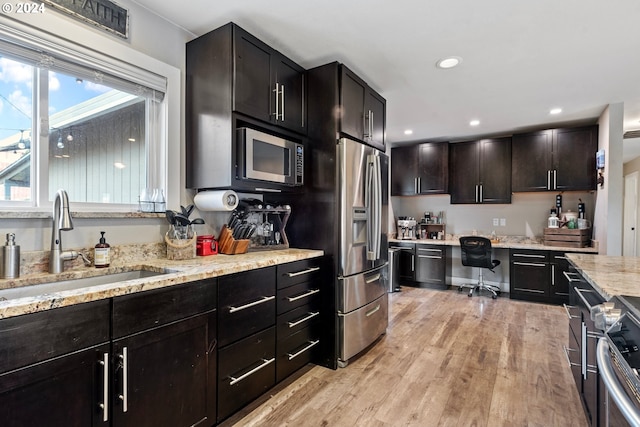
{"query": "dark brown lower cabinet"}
[(162, 376), (246, 369), (65, 391), (538, 275), (433, 264)]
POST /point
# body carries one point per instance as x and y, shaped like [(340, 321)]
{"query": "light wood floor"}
[(446, 360)]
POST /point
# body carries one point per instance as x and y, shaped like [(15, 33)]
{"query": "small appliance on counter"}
[(432, 226), (406, 228)]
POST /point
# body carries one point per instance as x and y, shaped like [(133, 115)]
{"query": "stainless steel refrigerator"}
[(361, 305)]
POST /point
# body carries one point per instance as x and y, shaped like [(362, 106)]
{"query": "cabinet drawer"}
[(299, 271), (246, 369), (40, 336), (297, 350), (247, 304), (145, 310), (529, 255), (299, 318), (297, 295)]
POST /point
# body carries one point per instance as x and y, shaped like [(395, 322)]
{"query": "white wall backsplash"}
[(525, 216)]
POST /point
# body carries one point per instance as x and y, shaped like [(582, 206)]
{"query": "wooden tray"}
[(567, 237)]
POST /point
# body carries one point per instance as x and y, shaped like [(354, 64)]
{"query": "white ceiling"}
[(520, 58)]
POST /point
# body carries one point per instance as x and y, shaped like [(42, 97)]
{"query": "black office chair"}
[(476, 252)]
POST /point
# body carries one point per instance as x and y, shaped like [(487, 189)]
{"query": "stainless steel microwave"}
[(266, 157)]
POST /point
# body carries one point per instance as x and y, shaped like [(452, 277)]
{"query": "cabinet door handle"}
[(105, 387), (419, 185), (265, 362), (476, 193), (555, 179), (371, 125), (415, 185), (413, 262), (481, 193), (584, 300), (549, 180), (528, 255), (567, 274), (125, 379), (282, 103), (306, 294), (233, 309), (529, 264), (583, 347), (310, 345), (553, 275), (304, 319), (277, 92), (300, 273)]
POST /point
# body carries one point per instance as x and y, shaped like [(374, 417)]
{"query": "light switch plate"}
[(503, 222)]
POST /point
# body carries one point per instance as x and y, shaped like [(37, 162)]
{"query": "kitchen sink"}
[(71, 284)]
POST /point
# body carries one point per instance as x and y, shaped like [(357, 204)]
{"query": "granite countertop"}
[(177, 272), (609, 275), (504, 243)]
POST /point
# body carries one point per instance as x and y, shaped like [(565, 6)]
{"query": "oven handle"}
[(616, 391)]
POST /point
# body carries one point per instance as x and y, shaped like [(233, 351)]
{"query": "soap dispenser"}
[(101, 253), (10, 266)]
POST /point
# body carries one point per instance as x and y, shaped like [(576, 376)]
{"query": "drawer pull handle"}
[(105, 387), (311, 344), (529, 264), (300, 273), (304, 319), (567, 308), (265, 362), (306, 294), (233, 309), (566, 353), (430, 250), (430, 256), (373, 311), (567, 274), (533, 291), (529, 255)]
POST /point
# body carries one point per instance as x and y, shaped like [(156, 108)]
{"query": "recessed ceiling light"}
[(449, 62), (408, 132), (555, 111), (474, 122)]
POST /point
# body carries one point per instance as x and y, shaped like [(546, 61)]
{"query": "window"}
[(89, 127)]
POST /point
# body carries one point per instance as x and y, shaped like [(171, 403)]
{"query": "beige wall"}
[(607, 226)]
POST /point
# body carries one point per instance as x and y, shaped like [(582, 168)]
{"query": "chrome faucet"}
[(61, 222)]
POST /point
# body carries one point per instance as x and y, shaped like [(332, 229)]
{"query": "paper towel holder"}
[(216, 200)]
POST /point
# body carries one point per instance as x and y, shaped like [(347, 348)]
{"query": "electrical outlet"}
[(503, 222), (496, 222)]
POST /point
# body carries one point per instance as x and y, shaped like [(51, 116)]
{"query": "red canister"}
[(206, 245)]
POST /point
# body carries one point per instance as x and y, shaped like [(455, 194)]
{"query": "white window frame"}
[(151, 74)]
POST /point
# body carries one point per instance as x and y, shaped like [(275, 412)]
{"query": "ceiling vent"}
[(631, 134)]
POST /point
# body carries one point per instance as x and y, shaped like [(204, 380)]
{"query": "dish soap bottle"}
[(101, 253)]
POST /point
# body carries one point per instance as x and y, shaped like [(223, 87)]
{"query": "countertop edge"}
[(501, 245), (179, 272), (609, 275)]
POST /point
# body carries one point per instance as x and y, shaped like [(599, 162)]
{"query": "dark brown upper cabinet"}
[(480, 171), (420, 169), (363, 110), (268, 86), (555, 160)]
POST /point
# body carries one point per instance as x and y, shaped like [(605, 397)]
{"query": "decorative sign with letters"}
[(104, 14)]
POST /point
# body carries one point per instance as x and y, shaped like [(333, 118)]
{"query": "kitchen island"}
[(609, 275)]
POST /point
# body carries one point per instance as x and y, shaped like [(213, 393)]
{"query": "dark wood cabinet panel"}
[(559, 283), (247, 303), (40, 336), (420, 169), (575, 158), (252, 89), (480, 171), (246, 370), (538, 275), (406, 261), (555, 160), (64, 391), (433, 263), (163, 375), (296, 350), (292, 108), (363, 110), (306, 270)]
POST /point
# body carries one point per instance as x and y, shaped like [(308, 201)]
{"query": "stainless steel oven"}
[(268, 158), (618, 359)]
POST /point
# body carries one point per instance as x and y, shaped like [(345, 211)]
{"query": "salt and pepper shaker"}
[(10, 266)]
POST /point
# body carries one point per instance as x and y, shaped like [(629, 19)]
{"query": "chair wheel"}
[(494, 296), (470, 295)]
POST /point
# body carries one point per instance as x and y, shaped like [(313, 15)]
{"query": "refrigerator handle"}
[(377, 228), (368, 202)]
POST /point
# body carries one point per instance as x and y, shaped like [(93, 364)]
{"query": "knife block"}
[(228, 245)]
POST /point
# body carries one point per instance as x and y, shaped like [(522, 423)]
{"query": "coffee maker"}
[(406, 228)]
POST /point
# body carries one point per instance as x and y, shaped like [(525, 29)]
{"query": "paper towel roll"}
[(220, 200)]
